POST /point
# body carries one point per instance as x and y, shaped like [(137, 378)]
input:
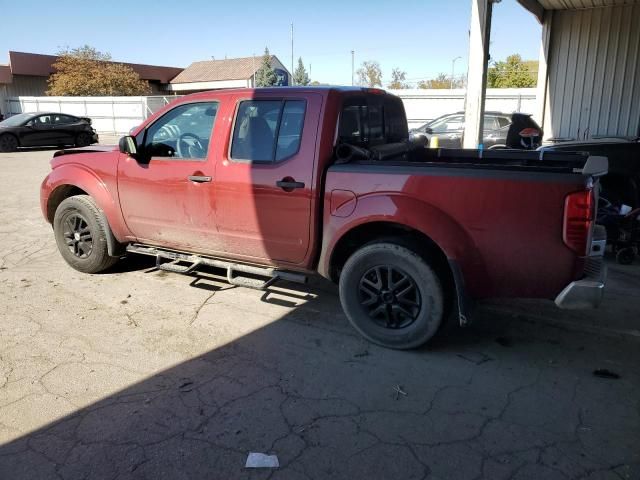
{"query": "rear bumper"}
[(588, 292)]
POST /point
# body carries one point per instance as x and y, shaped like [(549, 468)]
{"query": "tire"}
[(81, 236), (8, 143), (402, 313), (625, 256), (83, 140)]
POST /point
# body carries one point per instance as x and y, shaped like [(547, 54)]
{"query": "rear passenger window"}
[(267, 130), (63, 119)]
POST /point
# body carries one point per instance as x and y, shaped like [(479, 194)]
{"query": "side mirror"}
[(128, 145), (428, 130), (419, 139)]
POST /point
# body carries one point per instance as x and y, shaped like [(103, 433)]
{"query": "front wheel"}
[(8, 143), (392, 296), (80, 235)]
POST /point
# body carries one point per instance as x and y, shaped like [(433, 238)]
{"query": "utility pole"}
[(453, 69), (309, 70), (253, 66), (292, 54), (352, 66)]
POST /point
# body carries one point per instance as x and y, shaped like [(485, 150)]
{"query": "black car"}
[(45, 129), (501, 130), (622, 184)]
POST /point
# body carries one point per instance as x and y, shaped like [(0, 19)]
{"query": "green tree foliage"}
[(441, 81), (512, 73), (370, 74), (300, 76), (398, 79), (266, 75), (85, 71)]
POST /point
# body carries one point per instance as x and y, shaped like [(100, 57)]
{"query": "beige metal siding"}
[(594, 70), (26, 85), (577, 4)]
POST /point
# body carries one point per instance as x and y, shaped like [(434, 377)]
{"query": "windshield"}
[(16, 120)]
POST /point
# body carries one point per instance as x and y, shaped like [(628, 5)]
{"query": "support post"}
[(479, 34), (542, 92)]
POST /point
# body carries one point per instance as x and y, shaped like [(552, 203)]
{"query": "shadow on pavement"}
[(496, 400)]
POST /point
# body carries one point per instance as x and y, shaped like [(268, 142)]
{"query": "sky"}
[(421, 37)]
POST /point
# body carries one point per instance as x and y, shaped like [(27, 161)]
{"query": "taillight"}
[(529, 132), (579, 214)]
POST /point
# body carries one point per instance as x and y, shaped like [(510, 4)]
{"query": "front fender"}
[(399, 209), (102, 190)]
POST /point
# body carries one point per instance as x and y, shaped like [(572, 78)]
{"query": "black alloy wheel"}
[(390, 296), (77, 235)]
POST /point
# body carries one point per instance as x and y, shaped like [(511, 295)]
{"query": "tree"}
[(442, 80), (398, 78), (85, 71), (370, 74), (266, 75), (300, 76), (512, 73)]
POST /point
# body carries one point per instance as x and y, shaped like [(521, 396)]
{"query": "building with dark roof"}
[(27, 74), (227, 73)]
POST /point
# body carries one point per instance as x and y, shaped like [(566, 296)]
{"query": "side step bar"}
[(234, 270)]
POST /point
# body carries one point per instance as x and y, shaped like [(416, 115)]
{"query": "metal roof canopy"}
[(481, 12)]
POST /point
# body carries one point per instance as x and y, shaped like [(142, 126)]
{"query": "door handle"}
[(289, 185), (199, 178)]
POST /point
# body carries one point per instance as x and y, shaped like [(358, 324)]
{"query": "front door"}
[(167, 196), (264, 180), (40, 131)]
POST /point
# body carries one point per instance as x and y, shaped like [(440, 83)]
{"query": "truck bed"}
[(512, 160), (506, 208)]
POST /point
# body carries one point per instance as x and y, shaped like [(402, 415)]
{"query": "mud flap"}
[(464, 303)]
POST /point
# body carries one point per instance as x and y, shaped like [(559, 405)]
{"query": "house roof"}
[(38, 65), (5, 74), (216, 70)]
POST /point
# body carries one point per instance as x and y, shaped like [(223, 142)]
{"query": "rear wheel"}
[(625, 256), (392, 296), (83, 140), (8, 143), (80, 235)]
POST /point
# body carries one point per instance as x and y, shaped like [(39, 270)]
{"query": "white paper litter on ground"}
[(261, 460)]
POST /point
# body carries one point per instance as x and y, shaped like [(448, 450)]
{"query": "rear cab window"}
[(267, 131), (371, 120)]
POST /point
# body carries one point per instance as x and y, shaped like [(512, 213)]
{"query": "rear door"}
[(264, 177), (65, 128)]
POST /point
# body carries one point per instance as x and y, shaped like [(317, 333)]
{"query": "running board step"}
[(175, 266), (236, 272)]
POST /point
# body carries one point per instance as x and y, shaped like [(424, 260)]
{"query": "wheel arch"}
[(11, 134), (412, 238), (68, 181)]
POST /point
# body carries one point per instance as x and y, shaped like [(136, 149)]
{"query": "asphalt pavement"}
[(141, 374)]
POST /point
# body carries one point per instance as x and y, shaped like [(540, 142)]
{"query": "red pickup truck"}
[(276, 184)]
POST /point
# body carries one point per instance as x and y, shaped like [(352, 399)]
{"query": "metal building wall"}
[(594, 73), (26, 85)]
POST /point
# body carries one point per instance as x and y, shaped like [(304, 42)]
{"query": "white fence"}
[(120, 114), (423, 105), (108, 114)]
